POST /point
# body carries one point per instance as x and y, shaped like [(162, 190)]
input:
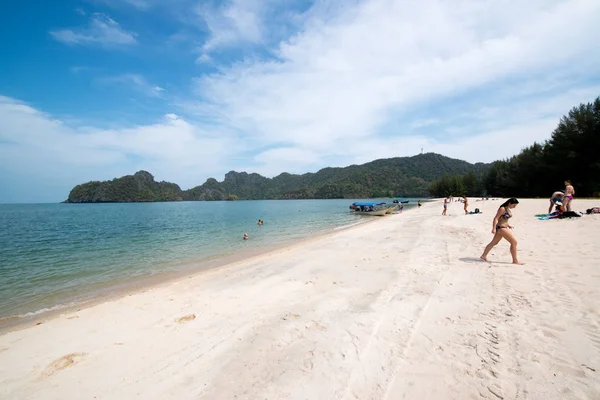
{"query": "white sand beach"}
[(401, 308)]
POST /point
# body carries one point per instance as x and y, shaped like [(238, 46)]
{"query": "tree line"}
[(571, 153)]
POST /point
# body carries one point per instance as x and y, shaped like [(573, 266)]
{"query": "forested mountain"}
[(130, 188), (400, 176)]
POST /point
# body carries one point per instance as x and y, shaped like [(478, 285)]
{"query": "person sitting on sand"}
[(446, 201), (502, 230), (568, 197), (466, 201), (245, 236), (556, 197), (419, 203)]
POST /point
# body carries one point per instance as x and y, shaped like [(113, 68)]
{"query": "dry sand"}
[(398, 309)]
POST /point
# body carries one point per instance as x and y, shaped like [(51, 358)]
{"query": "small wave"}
[(37, 312)]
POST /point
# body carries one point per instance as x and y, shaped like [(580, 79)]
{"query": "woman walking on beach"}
[(466, 201), (501, 229)]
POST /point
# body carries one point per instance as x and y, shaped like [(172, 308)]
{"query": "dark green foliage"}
[(456, 185), (573, 152), (140, 187), (393, 177)]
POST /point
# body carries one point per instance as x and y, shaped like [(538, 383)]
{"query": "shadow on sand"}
[(477, 260)]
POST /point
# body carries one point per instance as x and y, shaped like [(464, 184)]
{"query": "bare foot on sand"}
[(484, 258), (518, 262)]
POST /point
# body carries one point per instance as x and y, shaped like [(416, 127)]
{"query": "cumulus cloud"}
[(102, 30)]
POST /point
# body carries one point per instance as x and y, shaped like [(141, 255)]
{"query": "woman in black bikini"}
[(501, 229)]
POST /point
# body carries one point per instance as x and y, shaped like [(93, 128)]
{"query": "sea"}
[(54, 256)]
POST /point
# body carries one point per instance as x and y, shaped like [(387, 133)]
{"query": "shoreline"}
[(140, 284)]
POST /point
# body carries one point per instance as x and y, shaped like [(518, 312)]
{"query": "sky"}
[(188, 89)]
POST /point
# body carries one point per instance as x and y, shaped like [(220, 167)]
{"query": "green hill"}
[(140, 187), (400, 176)]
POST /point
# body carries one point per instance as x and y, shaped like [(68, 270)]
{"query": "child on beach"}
[(502, 230), (466, 201), (446, 201)]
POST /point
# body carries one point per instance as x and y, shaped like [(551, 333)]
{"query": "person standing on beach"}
[(466, 201), (568, 197), (502, 230), (556, 197), (446, 201)]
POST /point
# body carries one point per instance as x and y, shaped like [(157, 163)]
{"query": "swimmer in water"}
[(245, 236)]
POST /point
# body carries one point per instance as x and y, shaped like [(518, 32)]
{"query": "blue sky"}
[(185, 89)]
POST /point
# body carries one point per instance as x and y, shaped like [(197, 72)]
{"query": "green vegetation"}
[(539, 170), (393, 177), (457, 185), (139, 187)]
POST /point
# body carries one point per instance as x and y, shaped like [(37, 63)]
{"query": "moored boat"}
[(373, 209)]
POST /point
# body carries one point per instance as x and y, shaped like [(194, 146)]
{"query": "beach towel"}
[(548, 216), (570, 214)]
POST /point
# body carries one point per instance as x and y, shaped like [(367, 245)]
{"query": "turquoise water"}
[(54, 255)]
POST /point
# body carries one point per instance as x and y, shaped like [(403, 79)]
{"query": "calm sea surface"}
[(55, 255)]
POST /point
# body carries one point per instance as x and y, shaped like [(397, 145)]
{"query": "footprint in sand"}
[(63, 363), (290, 316), (186, 318)]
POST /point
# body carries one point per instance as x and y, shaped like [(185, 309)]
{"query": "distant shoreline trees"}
[(572, 152)]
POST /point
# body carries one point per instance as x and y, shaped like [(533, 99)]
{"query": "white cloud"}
[(337, 86), (135, 81), (231, 23), (246, 24), (102, 30)]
